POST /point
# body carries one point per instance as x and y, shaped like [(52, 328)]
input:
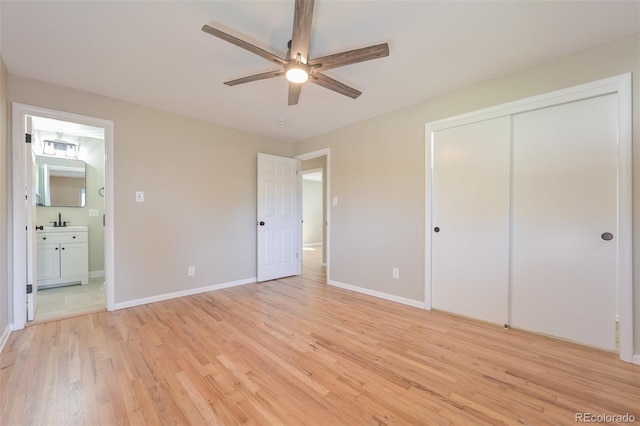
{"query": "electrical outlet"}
[(140, 196), (191, 271), (395, 273)]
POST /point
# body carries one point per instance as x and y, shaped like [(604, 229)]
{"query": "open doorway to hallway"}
[(314, 216)]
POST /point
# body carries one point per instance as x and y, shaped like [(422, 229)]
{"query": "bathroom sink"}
[(64, 228)]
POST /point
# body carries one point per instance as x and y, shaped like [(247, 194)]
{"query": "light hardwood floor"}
[(297, 351)]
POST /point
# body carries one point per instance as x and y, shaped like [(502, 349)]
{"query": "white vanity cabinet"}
[(62, 256)]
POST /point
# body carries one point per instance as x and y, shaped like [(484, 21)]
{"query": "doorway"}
[(76, 274), (68, 190), (312, 218), (315, 214)]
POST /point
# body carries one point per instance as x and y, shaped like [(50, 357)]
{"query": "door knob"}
[(607, 236), (261, 223)]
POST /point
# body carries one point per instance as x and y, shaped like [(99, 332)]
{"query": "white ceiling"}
[(154, 53), (66, 128)]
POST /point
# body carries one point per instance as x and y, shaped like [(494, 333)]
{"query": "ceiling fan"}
[(297, 66)]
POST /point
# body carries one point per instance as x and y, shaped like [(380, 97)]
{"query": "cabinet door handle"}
[(56, 248), (74, 236), (62, 248), (44, 238)]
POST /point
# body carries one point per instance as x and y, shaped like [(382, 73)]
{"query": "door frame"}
[(326, 152), (621, 85), (18, 214)]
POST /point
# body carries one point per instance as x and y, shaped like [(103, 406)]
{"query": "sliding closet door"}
[(564, 212), (470, 235)]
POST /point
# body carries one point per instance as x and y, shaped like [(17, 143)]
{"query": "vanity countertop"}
[(79, 228)]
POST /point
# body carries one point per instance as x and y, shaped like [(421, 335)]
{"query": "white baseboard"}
[(174, 295), (636, 359), (96, 274), (381, 295), (4, 337), (311, 244)]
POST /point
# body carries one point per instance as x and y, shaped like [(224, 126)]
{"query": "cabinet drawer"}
[(62, 237)]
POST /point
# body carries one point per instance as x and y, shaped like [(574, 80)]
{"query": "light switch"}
[(140, 196), (335, 201), (93, 212)]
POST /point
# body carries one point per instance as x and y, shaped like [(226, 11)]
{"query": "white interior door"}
[(30, 199), (470, 235), (565, 198), (278, 224)]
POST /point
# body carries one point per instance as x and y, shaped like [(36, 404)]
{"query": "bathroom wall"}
[(91, 151)]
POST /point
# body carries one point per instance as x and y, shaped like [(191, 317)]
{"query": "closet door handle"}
[(607, 236), (436, 229)]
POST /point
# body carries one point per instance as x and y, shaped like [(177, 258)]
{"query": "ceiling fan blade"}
[(302, 17), (294, 93), (255, 77), (243, 44), (335, 85), (350, 57)]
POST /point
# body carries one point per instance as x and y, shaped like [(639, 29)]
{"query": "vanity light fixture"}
[(71, 151), (60, 149), (49, 148)]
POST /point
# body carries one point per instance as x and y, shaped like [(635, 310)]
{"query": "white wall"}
[(378, 171), (199, 181)]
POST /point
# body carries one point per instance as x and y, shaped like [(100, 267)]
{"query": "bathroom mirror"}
[(60, 182)]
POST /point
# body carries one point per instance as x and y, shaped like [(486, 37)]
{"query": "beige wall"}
[(377, 171), (4, 202), (199, 181)]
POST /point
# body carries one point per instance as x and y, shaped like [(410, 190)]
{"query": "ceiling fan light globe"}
[(297, 75)]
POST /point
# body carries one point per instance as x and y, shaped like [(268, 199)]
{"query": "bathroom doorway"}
[(76, 260), (69, 180)]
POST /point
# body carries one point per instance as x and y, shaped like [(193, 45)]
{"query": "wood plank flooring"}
[(297, 351)]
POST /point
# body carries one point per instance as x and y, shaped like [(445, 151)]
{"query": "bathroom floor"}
[(59, 302)]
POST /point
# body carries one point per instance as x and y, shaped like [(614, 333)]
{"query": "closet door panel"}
[(470, 252), (564, 200)]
